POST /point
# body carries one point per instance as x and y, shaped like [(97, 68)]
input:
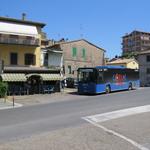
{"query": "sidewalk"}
[(6, 104), (70, 90), (66, 94)]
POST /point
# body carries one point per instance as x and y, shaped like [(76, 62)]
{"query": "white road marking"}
[(135, 144), (119, 113), (140, 88), (96, 119)]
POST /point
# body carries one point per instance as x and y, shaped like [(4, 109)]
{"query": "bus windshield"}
[(86, 75)]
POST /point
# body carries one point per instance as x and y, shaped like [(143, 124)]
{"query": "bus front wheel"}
[(108, 90)]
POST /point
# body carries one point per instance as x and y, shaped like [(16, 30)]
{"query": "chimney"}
[(23, 16)]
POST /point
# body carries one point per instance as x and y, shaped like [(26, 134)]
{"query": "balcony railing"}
[(43, 35), (20, 41)]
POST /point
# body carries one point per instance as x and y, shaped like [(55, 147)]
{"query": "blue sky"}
[(102, 22)]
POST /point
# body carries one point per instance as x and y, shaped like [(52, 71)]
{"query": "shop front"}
[(39, 81)]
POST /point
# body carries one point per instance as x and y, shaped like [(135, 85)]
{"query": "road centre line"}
[(135, 144)]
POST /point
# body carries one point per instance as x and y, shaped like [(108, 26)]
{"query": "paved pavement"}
[(132, 125), (26, 100), (59, 126), (85, 137), (6, 104), (90, 137), (135, 128), (35, 99)]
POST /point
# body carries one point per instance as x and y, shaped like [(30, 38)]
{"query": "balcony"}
[(20, 41), (43, 36)]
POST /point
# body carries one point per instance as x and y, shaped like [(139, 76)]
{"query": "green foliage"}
[(129, 55), (3, 89)]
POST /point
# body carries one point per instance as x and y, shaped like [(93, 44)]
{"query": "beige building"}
[(144, 67), (79, 53), (128, 63)]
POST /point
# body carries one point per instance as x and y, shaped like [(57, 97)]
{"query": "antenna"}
[(23, 16)]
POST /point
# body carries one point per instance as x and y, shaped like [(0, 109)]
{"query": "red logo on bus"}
[(119, 78)]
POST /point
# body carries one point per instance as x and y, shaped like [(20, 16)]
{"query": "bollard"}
[(13, 101), (5, 97)]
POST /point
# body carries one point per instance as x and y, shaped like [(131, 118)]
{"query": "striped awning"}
[(51, 77), (13, 77), (33, 74)]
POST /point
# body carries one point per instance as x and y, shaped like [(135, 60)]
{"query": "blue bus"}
[(106, 79)]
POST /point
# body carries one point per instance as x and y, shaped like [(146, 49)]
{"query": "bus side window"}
[(100, 78)]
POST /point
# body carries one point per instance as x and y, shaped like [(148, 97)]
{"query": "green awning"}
[(13, 77), (51, 77)]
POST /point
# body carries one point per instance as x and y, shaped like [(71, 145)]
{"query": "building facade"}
[(55, 58), (135, 42), (79, 53), (21, 42), (144, 67), (128, 63)]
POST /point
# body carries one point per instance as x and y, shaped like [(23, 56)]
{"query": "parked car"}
[(71, 82), (75, 83)]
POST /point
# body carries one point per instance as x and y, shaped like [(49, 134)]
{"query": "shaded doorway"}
[(35, 84)]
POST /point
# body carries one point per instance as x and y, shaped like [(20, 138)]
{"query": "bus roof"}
[(110, 67), (105, 67)]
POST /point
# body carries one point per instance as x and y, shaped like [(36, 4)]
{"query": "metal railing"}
[(20, 41)]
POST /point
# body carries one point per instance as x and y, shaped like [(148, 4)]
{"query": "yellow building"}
[(20, 42), (128, 63), (20, 51)]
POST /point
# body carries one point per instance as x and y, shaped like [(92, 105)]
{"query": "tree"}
[(129, 55), (3, 89)]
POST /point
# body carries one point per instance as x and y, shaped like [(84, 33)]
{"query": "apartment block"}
[(144, 67), (136, 41)]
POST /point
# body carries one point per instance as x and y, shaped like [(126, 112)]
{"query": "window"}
[(30, 59), (74, 52), (13, 58), (86, 75), (83, 54), (69, 69), (100, 77), (46, 59), (148, 70), (148, 58)]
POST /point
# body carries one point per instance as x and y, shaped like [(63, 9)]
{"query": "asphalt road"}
[(31, 120)]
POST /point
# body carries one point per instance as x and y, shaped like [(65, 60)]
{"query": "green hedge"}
[(3, 89)]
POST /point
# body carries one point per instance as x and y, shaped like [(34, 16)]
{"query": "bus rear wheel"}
[(108, 90), (130, 86)]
